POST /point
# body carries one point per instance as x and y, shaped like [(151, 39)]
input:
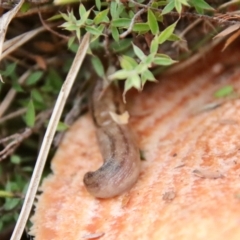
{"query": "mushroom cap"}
[(189, 185)]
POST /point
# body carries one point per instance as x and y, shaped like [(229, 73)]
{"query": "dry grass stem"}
[(4, 22), (13, 44), (47, 141)]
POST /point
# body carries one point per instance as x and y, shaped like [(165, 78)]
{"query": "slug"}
[(117, 144)]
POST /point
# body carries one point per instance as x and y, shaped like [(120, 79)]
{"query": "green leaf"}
[(152, 21), (168, 8), (163, 61), (37, 96), (61, 127), (120, 74), (113, 10), (97, 64), (82, 10), (154, 45), (34, 78), (139, 53), (115, 33), (224, 91), (30, 114), (93, 30), (98, 4), (174, 38), (122, 45), (71, 41), (101, 17), (121, 22), (147, 76), (15, 159), (127, 62), (11, 203), (132, 82), (166, 33), (9, 69), (141, 27), (25, 7), (178, 6), (201, 4), (82, 21)]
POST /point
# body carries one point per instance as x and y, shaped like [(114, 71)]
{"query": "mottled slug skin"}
[(118, 147)]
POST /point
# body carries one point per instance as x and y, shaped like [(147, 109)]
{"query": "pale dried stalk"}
[(12, 44), (41, 160), (4, 22)]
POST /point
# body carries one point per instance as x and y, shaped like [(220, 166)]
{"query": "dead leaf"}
[(120, 118), (231, 39), (206, 173), (93, 235), (228, 30), (169, 196)]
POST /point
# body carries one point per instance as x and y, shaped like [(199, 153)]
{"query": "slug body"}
[(119, 150)]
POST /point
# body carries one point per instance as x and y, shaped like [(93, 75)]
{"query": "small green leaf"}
[(121, 22), (113, 10), (152, 21), (15, 159), (98, 4), (9, 69), (93, 30), (168, 8), (139, 53), (82, 10), (201, 4), (11, 203), (61, 127), (37, 96), (115, 33), (224, 91), (82, 21), (122, 45), (34, 78), (25, 7), (120, 74), (178, 6), (174, 38), (154, 45), (101, 17), (166, 33), (30, 114), (71, 41), (164, 60), (132, 82), (97, 64), (149, 76), (127, 63), (141, 27)]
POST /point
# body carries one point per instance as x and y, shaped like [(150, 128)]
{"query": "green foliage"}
[(224, 91), (113, 19)]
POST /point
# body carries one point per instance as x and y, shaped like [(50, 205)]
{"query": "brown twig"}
[(16, 139)]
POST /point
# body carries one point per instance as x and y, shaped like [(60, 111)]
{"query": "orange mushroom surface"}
[(189, 185)]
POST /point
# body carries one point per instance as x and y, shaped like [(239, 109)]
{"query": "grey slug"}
[(117, 144)]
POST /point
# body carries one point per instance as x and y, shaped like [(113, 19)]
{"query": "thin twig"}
[(4, 22), (47, 27), (16, 139), (47, 140), (13, 115)]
